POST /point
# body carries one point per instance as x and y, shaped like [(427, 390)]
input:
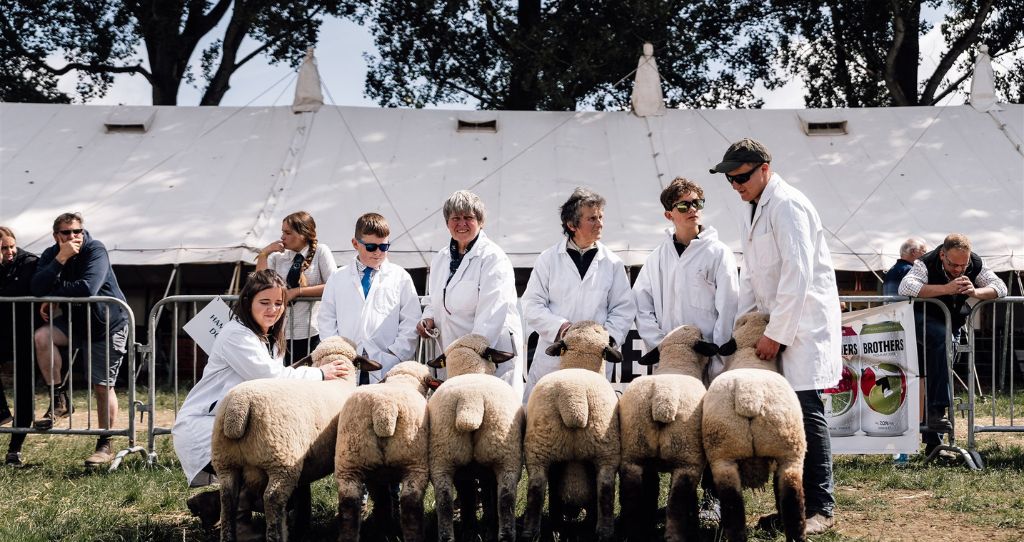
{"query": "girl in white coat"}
[(473, 289), (577, 279), (372, 301), (690, 278), (249, 347)]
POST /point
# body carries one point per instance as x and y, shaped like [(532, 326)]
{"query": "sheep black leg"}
[(414, 485), (606, 501), (444, 504), (630, 489), (789, 494), (557, 521), (507, 481), (275, 503), (301, 504), (538, 476), (730, 494), (350, 507), (466, 487), (681, 520), (230, 485), (649, 499)]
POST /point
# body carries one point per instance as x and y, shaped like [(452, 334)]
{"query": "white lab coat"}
[(787, 273), (382, 325), (238, 355), (698, 288), (480, 298), (556, 294)]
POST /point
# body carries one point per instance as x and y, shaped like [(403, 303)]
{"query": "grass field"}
[(54, 498)]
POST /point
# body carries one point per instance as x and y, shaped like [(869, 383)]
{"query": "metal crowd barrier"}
[(182, 352), (1006, 361), (950, 443), (73, 356)]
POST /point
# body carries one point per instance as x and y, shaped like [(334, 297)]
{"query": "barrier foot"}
[(151, 459), (120, 456), (968, 458)]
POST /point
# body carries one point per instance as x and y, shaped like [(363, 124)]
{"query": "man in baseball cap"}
[(787, 273)]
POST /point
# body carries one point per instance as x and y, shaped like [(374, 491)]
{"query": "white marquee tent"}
[(163, 185)]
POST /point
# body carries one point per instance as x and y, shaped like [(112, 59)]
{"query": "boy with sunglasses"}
[(372, 301), (78, 266), (787, 273)]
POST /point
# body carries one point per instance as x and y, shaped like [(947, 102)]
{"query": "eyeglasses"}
[(684, 206), (76, 231), (372, 247), (742, 178)]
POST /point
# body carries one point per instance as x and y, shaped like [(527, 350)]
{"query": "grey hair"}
[(572, 209), (462, 202), (912, 246)]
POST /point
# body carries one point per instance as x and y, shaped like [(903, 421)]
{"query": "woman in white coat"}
[(576, 279), (473, 289), (690, 278), (247, 348), (372, 301)]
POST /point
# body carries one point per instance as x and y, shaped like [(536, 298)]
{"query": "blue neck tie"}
[(366, 281)]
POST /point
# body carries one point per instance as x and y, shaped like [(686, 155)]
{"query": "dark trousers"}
[(818, 482), (23, 404), (931, 341)]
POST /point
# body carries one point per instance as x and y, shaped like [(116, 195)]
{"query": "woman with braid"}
[(305, 265)]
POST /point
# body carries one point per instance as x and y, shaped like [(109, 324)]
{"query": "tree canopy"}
[(96, 39)]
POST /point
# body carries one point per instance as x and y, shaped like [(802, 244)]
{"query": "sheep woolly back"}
[(585, 342), (236, 410), (464, 356), (385, 416)]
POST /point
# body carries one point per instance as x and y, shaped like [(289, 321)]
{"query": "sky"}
[(343, 71)]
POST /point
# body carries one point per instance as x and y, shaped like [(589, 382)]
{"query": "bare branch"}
[(952, 87), (899, 32), (955, 50)]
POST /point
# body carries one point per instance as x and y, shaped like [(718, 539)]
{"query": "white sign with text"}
[(207, 324)]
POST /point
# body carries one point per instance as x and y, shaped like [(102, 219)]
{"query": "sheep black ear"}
[(612, 355), (611, 342), (432, 383), (782, 348), (497, 356), (650, 358), (366, 364), (705, 348), (556, 349), (727, 349), (439, 362)]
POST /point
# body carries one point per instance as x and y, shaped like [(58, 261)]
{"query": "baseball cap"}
[(744, 151)]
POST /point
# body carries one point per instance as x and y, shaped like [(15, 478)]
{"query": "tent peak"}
[(647, 98), (308, 97)]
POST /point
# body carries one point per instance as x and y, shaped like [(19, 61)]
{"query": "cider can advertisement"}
[(883, 379), (874, 409), (842, 403)]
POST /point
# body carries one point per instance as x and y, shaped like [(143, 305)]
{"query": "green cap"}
[(744, 151)]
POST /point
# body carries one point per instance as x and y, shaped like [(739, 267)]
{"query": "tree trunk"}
[(238, 27), (907, 60), (522, 85)]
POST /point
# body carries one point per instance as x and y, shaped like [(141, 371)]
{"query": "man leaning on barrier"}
[(78, 266), (951, 274)]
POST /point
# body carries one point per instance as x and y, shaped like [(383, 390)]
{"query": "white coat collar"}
[(774, 183)]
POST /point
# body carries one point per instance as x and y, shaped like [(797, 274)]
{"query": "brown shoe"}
[(819, 523), (771, 523), (206, 507), (61, 408), (101, 456)]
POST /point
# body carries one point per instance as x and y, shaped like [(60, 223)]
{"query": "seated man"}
[(910, 251), (951, 274), (78, 266)]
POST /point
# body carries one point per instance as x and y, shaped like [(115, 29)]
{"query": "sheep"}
[(476, 436), (753, 425), (383, 439), (660, 417), (572, 434), (273, 435)]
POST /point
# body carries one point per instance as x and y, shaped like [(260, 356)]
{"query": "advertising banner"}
[(875, 408)]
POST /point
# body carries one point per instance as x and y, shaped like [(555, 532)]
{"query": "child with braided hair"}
[(305, 264)]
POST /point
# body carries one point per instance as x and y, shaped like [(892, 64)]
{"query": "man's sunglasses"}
[(684, 206), (742, 178), (372, 247), (75, 231)]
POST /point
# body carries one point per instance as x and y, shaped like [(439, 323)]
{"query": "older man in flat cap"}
[(787, 273)]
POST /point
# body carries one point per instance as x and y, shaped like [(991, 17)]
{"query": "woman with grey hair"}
[(473, 289), (576, 279)]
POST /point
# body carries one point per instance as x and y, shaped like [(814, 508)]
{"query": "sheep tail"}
[(235, 415), (750, 399), (385, 419), (469, 413), (664, 403), (573, 407)]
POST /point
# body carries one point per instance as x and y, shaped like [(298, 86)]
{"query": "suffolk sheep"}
[(660, 416), (476, 440), (572, 435), (273, 435), (753, 425), (383, 439)]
